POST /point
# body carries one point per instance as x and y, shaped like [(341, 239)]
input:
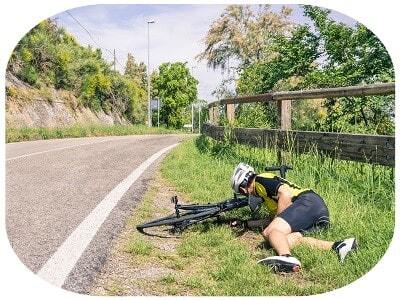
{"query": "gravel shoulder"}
[(134, 266)]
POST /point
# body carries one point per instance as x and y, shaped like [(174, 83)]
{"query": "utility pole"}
[(114, 60), (148, 74)]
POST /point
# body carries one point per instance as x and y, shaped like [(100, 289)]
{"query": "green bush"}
[(29, 74), (49, 56)]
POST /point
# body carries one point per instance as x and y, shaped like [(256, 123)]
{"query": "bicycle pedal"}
[(174, 200)]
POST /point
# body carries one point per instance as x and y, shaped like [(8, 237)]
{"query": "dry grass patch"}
[(139, 264)]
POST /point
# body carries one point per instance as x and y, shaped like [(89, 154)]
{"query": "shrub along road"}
[(67, 199)]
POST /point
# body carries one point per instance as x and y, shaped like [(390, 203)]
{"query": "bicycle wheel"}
[(173, 219)]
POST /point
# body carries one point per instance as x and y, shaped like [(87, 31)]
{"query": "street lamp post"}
[(199, 115), (148, 74), (192, 106), (192, 117), (158, 112)]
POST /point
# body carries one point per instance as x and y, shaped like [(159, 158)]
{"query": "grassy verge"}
[(155, 263), (218, 262), (43, 133)]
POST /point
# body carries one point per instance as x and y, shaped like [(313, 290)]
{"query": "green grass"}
[(78, 130), (360, 198), (139, 246), (168, 279)]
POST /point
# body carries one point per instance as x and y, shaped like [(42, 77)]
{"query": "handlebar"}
[(282, 169)]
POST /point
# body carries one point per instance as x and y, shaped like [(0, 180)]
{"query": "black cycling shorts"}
[(307, 213)]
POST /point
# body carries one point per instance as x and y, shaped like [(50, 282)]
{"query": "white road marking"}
[(60, 264), (57, 149)]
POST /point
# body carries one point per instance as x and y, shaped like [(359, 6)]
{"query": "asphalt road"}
[(52, 186)]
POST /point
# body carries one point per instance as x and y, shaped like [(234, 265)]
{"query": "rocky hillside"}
[(47, 107)]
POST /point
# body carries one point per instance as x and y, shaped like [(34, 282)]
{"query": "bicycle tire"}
[(188, 207), (173, 219)]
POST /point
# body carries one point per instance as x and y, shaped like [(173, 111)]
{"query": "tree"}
[(291, 57), (135, 71), (176, 89), (332, 54), (241, 35), (353, 55)]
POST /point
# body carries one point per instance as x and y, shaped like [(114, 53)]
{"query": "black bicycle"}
[(189, 214)]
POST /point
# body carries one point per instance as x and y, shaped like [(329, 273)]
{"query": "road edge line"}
[(60, 264), (59, 149)]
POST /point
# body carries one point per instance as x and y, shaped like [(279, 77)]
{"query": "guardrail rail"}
[(376, 149)]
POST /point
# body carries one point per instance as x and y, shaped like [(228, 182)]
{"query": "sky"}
[(175, 36)]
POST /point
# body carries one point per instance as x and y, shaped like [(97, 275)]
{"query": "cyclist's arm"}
[(284, 198)]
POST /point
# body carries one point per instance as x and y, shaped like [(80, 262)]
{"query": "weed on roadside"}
[(81, 130)]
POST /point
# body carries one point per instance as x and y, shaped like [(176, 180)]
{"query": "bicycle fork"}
[(174, 200)]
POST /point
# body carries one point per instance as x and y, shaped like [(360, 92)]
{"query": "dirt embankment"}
[(47, 107)]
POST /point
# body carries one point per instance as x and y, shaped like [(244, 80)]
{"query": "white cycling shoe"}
[(286, 264), (345, 247)]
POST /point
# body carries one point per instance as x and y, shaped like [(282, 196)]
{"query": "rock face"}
[(30, 107)]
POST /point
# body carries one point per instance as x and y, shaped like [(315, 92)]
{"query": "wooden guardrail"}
[(284, 99), (377, 149)]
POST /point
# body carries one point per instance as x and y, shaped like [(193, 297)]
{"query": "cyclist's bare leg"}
[(296, 238), (276, 234)]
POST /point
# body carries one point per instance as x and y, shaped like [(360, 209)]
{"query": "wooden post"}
[(285, 116), (210, 114), (230, 113), (216, 114)]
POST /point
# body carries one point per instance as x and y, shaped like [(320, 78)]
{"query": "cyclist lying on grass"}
[(295, 211)]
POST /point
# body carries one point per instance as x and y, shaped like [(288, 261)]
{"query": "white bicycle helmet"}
[(241, 175)]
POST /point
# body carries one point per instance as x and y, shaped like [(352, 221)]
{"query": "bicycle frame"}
[(188, 214), (206, 211), (233, 203)]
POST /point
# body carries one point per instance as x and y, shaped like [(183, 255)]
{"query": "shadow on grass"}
[(239, 226), (159, 233)]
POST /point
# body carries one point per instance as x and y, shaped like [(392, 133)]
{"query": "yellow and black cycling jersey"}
[(267, 185)]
